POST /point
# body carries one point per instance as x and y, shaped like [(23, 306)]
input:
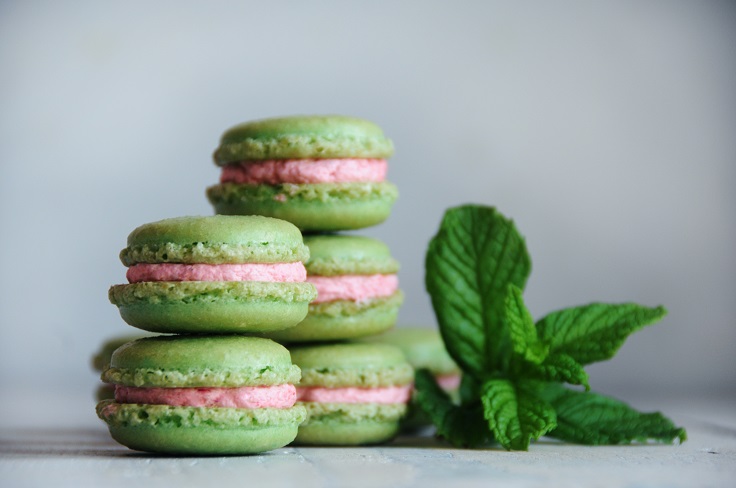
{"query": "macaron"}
[(354, 393), (101, 361), (216, 274), (357, 290), (424, 349), (321, 172), (204, 395)]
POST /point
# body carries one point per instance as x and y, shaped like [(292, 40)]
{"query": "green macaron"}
[(183, 367), (188, 303), (422, 346), (346, 373), (317, 203), (424, 349), (359, 290)]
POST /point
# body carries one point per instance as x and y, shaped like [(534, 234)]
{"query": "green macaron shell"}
[(300, 137), (201, 361), (351, 365), (349, 423), (331, 255), (215, 239), (101, 359), (212, 306), (422, 346), (343, 319), (200, 430), (311, 207)]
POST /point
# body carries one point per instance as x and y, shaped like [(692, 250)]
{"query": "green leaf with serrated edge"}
[(515, 414), (461, 426), (558, 367), (594, 332), (521, 328), (471, 260), (594, 419)]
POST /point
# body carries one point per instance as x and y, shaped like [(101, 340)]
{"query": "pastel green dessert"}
[(321, 172), (203, 395), (357, 290), (354, 393), (216, 274), (424, 349)]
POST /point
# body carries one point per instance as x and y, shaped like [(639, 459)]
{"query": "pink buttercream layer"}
[(448, 382), (356, 288), (301, 171), (388, 394), (277, 396), (289, 272)]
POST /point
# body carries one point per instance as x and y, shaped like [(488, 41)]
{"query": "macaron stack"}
[(216, 282), (323, 174), (326, 174), (208, 389)]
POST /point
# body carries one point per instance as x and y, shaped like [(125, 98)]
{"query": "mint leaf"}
[(591, 418), (515, 414), (475, 255), (594, 332), (537, 364), (469, 390), (521, 328), (461, 426), (558, 367)]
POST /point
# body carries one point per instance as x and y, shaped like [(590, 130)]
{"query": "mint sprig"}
[(513, 368)]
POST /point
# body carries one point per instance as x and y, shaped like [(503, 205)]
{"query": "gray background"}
[(606, 130)]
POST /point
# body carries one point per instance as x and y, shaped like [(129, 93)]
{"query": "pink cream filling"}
[(389, 394), (356, 288), (277, 396), (448, 382), (301, 171), (287, 272)]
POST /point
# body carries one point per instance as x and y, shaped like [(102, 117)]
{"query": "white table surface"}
[(76, 450)]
